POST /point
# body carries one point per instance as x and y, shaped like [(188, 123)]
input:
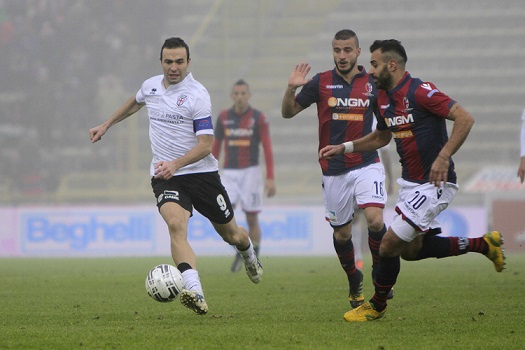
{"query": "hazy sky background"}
[(65, 65)]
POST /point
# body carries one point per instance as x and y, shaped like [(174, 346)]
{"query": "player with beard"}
[(345, 98), (414, 113)]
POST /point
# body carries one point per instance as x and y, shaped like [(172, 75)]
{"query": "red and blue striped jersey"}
[(415, 112), (345, 111), (242, 136)]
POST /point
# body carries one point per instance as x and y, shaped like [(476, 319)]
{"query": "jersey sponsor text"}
[(348, 102), (399, 120)]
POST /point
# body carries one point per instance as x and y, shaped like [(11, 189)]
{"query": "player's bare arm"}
[(463, 122), (289, 108), (521, 167), (521, 170), (131, 106), (371, 142), (165, 169)]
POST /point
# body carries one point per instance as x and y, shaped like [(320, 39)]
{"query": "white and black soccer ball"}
[(164, 283)]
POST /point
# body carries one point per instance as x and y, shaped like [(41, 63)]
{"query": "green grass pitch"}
[(454, 303)]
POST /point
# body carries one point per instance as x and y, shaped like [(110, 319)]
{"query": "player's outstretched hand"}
[(329, 151), (298, 76)]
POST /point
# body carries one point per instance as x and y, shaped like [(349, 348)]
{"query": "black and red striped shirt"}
[(345, 111), (415, 112), (242, 136)]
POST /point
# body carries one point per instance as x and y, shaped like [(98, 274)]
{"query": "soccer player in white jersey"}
[(184, 172)]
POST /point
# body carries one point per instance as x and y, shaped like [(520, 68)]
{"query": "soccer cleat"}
[(194, 300), (237, 263), (363, 313), (355, 295), (495, 253), (254, 270)]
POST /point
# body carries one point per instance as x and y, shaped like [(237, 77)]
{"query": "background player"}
[(243, 129)]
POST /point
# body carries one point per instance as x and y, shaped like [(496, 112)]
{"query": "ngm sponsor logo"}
[(348, 102), (113, 231), (399, 120)]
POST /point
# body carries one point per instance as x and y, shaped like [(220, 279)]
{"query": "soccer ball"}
[(164, 283)]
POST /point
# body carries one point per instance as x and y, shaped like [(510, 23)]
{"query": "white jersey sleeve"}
[(202, 108)]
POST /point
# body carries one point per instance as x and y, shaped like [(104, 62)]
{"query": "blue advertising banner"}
[(84, 231)]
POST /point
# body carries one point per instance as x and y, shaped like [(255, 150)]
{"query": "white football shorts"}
[(420, 204), (364, 187), (244, 186)]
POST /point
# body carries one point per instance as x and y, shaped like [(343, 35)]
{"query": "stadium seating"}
[(473, 53)]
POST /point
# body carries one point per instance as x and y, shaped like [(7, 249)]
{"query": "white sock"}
[(248, 255), (192, 280)]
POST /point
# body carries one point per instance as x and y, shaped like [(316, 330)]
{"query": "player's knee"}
[(374, 219), (252, 219), (176, 227), (342, 234), (376, 225)]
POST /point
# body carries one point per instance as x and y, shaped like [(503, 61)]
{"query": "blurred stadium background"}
[(67, 64)]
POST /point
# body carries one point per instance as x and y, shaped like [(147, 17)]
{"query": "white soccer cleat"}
[(194, 300), (254, 270)]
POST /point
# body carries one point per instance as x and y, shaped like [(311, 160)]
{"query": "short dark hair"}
[(345, 34), (241, 82), (391, 47), (173, 43)]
